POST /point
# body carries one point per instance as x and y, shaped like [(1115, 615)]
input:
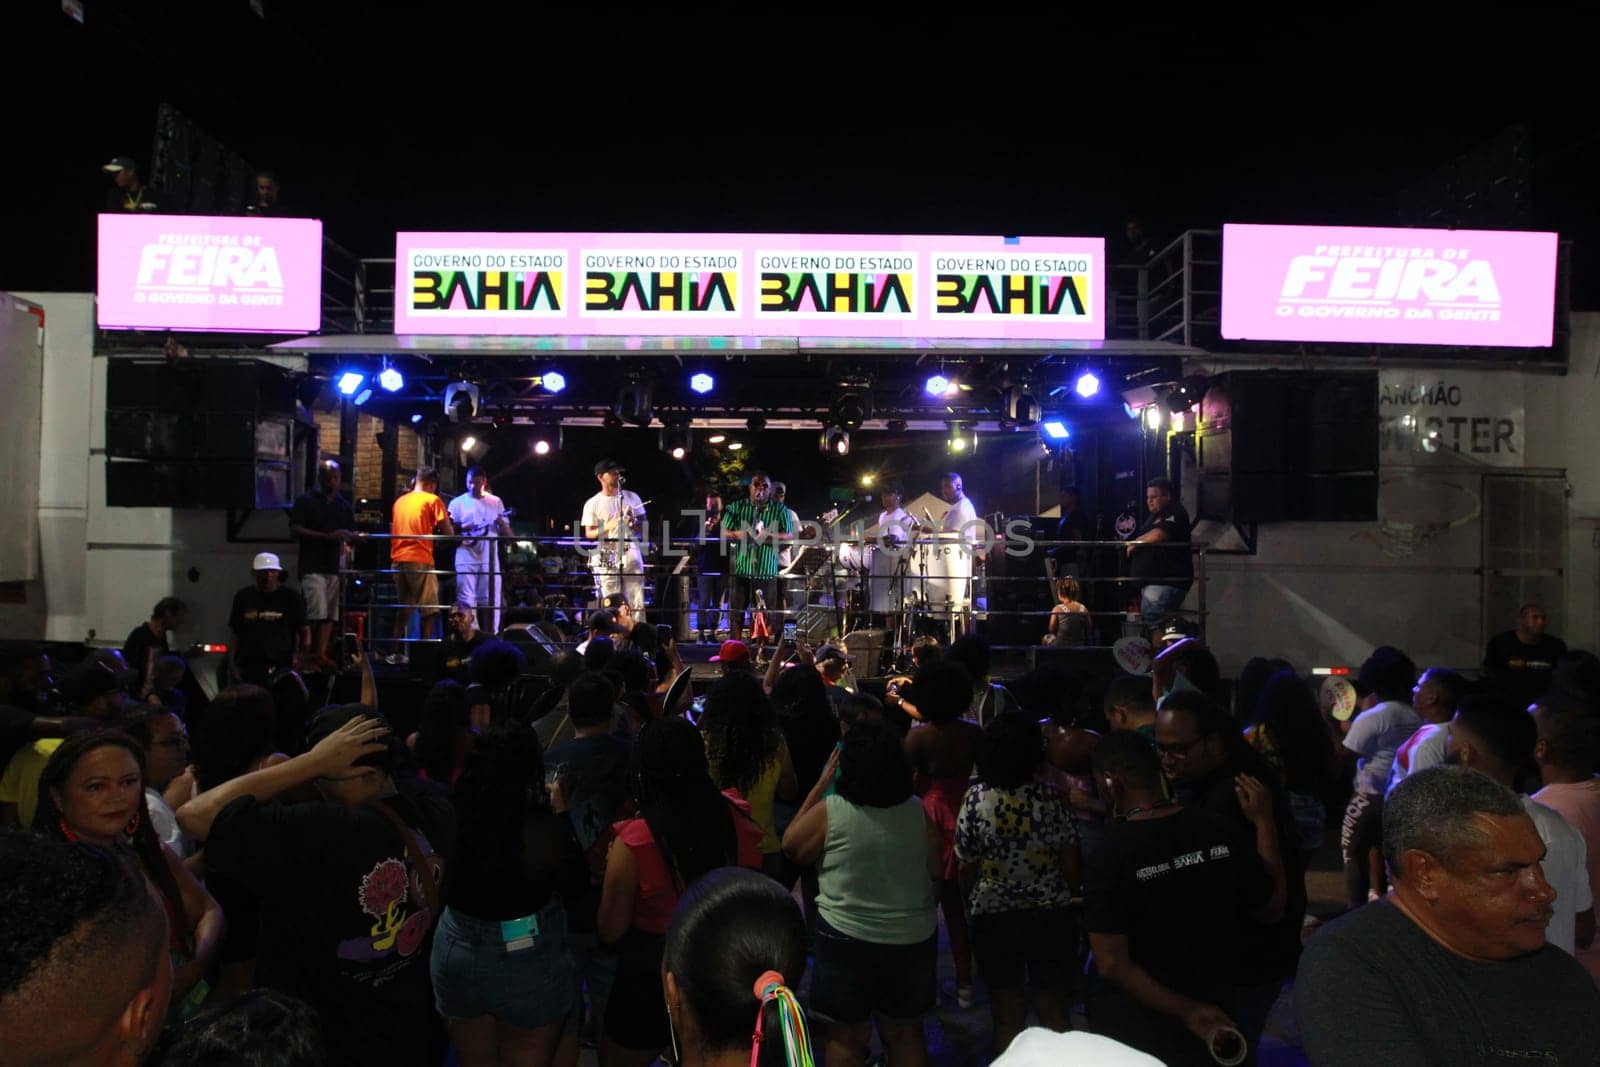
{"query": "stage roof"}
[(481, 346)]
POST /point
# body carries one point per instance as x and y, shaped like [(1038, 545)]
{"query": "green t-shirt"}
[(872, 879), (756, 557)]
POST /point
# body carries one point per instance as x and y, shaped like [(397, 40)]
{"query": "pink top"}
[(1579, 804), (658, 893)]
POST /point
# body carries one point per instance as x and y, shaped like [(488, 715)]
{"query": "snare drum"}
[(943, 569)]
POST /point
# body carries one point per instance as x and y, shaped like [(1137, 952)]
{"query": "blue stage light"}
[(1056, 430), (553, 381), (350, 381), (938, 385), (702, 383), (392, 380), (1088, 385)]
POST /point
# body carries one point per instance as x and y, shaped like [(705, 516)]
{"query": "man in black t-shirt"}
[(149, 640), (324, 522), (268, 623), (1452, 966), (1519, 663), (1165, 571), (1168, 901)]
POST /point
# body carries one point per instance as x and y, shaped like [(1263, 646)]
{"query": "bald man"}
[(84, 973)]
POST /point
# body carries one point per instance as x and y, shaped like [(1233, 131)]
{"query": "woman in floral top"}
[(1019, 862)]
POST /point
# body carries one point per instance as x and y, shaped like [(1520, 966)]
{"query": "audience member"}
[(549, 711), (1292, 736), (1252, 679), (165, 740), (878, 856), (1175, 897), (602, 623), (1497, 739), (1435, 699), (733, 656), (501, 977), (349, 886), (685, 828), (1206, 758), (152, 638), (495, 668), (1452, 966), (1577, 675), (748, 755), (597, 653), (1385, 722), (988, 698), (1019, 863), (268, 624), (444, 735), (84, 973), (324, 523), (94, 692), (92, 790), (1131, 706), (1520, 663), (166, 685), (943, 749), (260, 1028), (1567, 753), (735, 951), (28, 683), (1185, 664), (925, 648), (1069, 622), (592, 768), (462, 638)]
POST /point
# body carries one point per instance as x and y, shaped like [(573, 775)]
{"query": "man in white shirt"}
[(480, 517), (1386, 722), (614, 519), (1435, 698), (889, 562), (1496, 738)]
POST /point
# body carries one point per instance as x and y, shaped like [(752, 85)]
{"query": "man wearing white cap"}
[(268, 621), (614, 520)]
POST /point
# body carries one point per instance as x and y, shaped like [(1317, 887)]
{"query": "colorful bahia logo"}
[(836, 292), (1048, 286), (486, 290), (660, 291)]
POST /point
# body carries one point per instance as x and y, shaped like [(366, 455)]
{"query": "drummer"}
[(895, 524)]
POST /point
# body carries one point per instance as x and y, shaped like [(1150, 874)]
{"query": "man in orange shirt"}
[(418, 513)]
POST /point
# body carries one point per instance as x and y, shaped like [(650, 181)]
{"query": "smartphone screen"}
[(788, 631)]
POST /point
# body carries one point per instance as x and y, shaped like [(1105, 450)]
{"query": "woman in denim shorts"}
[(878, 856), (500, 973)]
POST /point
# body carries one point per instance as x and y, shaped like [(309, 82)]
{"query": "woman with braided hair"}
[(747, 754), (92, 790), (685, 829)]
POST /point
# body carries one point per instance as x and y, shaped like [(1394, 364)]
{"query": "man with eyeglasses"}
[(1203, 755)]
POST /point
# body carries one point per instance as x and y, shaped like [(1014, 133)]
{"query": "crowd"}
[(599, 858)]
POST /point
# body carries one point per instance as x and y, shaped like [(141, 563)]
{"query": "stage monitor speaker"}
[(199, 385), (149, 434), (1274, 446), (535, 646), (149, 485), (868, 648)]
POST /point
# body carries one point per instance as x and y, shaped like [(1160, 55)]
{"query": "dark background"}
[(958, 118)]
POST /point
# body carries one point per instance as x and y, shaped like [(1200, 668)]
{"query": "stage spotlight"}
[(350, 381), (940, 386), (1056, 430), (468, 443), (867, 480), (1177, 422), (633, 403), (474, 446), (735, 446), (363, 396), (391, 380), (541, 447), (676, 441), (834, 440), (416, 418), (853, 405), (1129, 410), (1152, 417), (702, 383), (756, 423), (716, 439), (553, 381), (962, 440), (1087, 385), (1186, 394), (461, 401), (1018, 407)]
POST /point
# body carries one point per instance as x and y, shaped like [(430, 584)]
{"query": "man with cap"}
[(733, 656), (832, 662), (95, 692), (268, 621), (602, 623), (128, 191), (756, 526), (614, 519)]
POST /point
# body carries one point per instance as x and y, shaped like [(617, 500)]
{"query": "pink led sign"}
[(1425, 287), (777, 285), (201, 272)]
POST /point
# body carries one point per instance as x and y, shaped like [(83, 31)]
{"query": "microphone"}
[(928, 515)]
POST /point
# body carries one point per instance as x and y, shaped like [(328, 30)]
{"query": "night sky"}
[(958, 119)]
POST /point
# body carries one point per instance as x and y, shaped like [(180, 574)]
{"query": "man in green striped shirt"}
[(755, 526)]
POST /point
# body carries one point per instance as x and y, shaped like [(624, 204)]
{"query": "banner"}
[(200, 272), (1476, 416), (1362, 285), (775, 285)]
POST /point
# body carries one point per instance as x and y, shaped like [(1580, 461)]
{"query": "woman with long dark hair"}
[(686, 828), (747, 753), (735, 949), (500, 973), (445, 732), (878, 855), (92, 790), (1291, 734)]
